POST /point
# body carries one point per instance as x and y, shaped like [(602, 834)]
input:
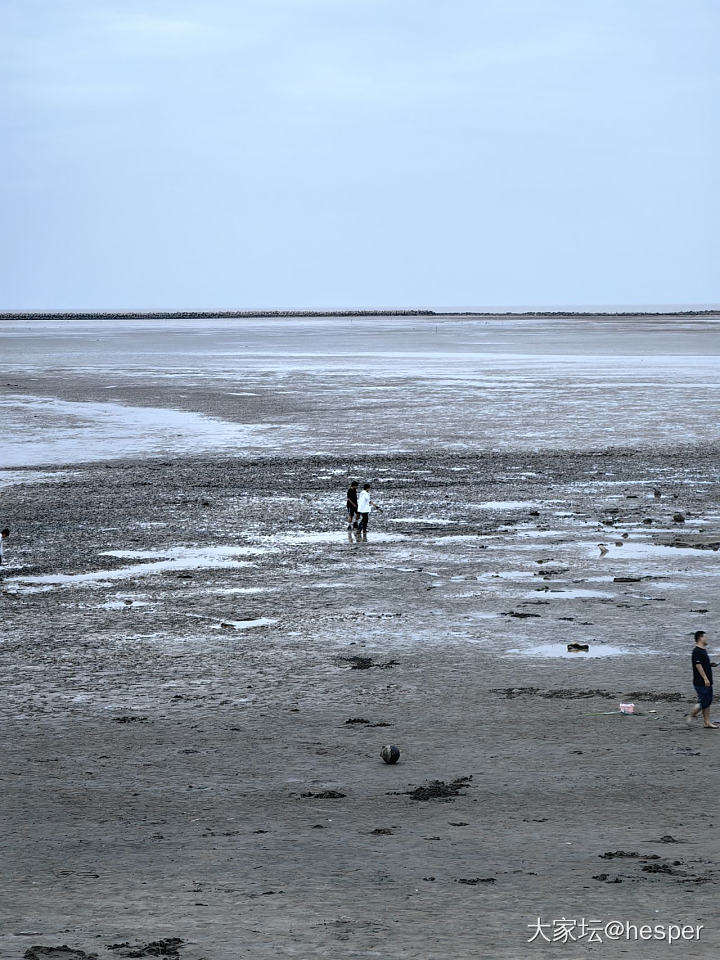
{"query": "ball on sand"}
[(390, 753)]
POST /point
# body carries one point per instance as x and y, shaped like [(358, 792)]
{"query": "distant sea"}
[(580, 308)]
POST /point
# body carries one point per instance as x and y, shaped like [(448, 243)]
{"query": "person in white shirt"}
[(365, 505), (4, 535)]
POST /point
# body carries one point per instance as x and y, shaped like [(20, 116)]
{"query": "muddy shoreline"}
[(201, 667), (179, 757)]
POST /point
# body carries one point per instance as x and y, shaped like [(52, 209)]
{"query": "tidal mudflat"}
[(201, 668)]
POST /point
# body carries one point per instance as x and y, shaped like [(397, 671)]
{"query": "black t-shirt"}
[(699, 655), (352, 495)]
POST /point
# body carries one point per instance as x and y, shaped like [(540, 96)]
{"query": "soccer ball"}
[(390, 753)]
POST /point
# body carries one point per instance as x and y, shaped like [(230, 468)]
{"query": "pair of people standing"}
[(359, 505)]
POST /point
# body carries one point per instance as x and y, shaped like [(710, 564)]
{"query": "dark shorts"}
[(351, 508), (705, 696)]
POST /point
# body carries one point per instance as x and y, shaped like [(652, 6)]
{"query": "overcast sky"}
[(325, 153)]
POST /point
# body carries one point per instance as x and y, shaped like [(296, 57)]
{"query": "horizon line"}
[(202, 314)]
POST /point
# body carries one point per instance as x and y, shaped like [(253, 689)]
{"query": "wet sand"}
[(354, 387), (185, 638)]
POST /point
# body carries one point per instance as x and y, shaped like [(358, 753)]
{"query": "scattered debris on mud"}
[(367, 663), (439, 790), (362, 722), (628, 854), (324, 795), (167, 947), (57, 953), (649, 696)]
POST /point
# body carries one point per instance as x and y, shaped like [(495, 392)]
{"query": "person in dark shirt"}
[(352, 500), (702, 680)]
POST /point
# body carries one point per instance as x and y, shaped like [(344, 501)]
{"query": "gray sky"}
[(323, 153)]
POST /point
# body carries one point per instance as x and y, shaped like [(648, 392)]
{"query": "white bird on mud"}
[(603, 549)]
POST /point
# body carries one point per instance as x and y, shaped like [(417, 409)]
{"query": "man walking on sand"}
[(702, 681), (365, 505)]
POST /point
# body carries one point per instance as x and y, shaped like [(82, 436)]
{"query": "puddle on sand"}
[(45, 430), (228, 591), (339, 537), (506, 504), (184, 553), (244, 624), (507, 575), (123, 604), (435, 521), (10, 478), (635, 550), (525, 534), (178, 559), (441, 539), (570, 595), (330, 586), (503, 538), (554, 650)]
